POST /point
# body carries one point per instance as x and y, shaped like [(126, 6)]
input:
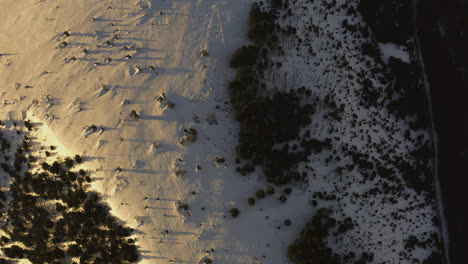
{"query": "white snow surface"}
[(392, 50), (45, 83), (67, 97)]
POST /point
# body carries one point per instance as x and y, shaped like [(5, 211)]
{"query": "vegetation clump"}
[(389, 20), (234, 212), (310, 247), (244, 56), (190, 135), (251, 201), (260, 194), (78, 227), (270, 190), (261, 24), (283, 198), (266, 120), (134, 115)]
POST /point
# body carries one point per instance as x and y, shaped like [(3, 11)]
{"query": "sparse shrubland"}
[(380, 94)]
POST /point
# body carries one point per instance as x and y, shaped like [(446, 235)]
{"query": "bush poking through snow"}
[(183, 206), (179, 172), (270, 190), (219, 160), (92, 128), (190, 135), (164, 103), (234, 212), (69, 162), (283, 198), (28, 125), (62, 45), (251, 201), (134, 115), (260, 194), (78, 159)]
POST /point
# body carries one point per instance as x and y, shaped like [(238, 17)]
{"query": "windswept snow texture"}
[(122, 55)]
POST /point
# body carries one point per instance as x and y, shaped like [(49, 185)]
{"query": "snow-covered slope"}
[(49, 77), (41, 80)]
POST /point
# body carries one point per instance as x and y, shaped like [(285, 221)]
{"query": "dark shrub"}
[(14, 252), (130, 253), (183, 207), (283, 198), (244, 56), (69, 162), (74, 250), (234, 212), (270, 190), (78, 159), (134, 115), (260, 194)]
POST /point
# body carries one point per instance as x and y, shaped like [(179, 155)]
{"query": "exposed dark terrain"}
[(442, 28)]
